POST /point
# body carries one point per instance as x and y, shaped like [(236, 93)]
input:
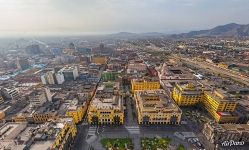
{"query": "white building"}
[(48, 78), (52, 78), (70, 73), (59, 78)]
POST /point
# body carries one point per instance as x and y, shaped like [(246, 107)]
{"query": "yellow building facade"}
[(77, 113), (187, 94), (66, 134), (143, 84), (156, 107), (20, 118), (101, 60), (43, 117), (220, 107), (1, 99), (216, 102), (223, 65), (107, 105), (2, 115)]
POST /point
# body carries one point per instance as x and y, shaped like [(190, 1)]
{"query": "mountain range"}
[(228, 30)]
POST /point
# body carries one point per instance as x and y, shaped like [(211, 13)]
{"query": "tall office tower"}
[(70, 73)]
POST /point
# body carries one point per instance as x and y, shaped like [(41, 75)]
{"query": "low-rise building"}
[(99, 60), (147, 83), (109, 76), (37, 98), (55, 134), (10, 93), (107, 105), (1, 99), (187, 94), (220, 104), (156, 107), (76, 111), (221, 133)]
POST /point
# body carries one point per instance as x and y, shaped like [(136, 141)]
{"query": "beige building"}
[(220, 133), (156, 107)]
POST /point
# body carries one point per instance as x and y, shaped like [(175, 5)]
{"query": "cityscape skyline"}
[(44, 17)]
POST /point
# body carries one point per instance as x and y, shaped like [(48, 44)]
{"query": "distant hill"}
[(228, 30), (136, 35)]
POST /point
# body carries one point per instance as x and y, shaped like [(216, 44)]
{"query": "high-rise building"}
[(59, 78), (51, 77), (70, 73), (48, 78)]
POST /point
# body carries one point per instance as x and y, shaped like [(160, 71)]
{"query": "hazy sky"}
[(108, 16)]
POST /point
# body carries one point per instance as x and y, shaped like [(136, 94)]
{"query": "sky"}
[(20, 17)]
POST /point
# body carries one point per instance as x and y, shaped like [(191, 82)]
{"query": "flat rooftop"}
[(155, 100)]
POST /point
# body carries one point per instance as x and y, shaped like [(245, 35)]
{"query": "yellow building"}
[(106, 106), (145, 84), (66, 133), (156, 107), (1, 99), (101, 60), (20, 118), (2, 115), (223, 65), (42, 117), (220, 106), (218, 103), (187, 94), (76, 112)]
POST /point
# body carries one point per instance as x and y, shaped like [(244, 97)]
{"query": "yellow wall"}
[(42, 118), (223, 65), (99, 60), (144, 85), (185, 99), (155, 116), (77, 114), (2, 115), (105, 116), (213, 102), (62, 138)]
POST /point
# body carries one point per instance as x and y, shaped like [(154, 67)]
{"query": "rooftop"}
[(107, 96), (155, 100)]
